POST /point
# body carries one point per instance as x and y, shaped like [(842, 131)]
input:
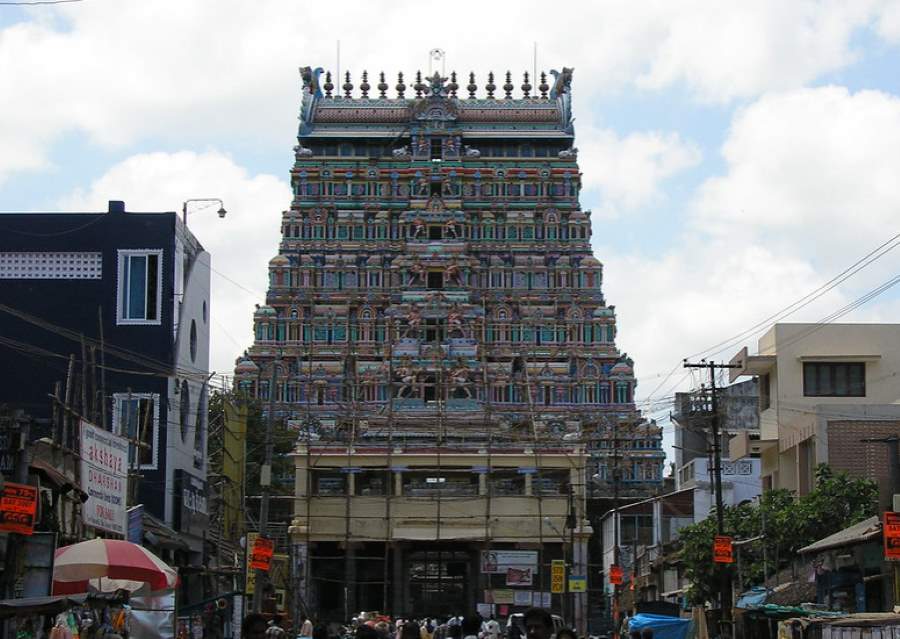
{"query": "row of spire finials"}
[(451, 88)]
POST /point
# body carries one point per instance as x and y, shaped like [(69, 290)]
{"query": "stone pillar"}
[(580, 568), (398, 607), (350, 576)]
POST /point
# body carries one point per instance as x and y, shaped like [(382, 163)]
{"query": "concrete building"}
[(126, 296), (444, 512), (824, 388), (739, 417)]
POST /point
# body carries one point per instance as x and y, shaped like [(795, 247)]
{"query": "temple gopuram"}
[(437, 334)]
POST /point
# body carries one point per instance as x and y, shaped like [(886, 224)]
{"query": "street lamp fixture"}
[(184, 206)]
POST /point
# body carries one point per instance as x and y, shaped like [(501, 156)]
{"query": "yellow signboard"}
[(557, 576), (250, 580), (577, 584)]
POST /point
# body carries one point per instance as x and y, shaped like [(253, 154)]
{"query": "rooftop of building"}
[(436, 103)]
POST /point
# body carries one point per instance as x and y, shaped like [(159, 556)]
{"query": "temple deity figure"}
[(419, 227), (422, 146), (416, 273), (451, 229), (406, 376), (452, 273), (455, 322), (413, 322), (459, 378), (450, 146)]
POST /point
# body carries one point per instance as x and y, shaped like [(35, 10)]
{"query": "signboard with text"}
[(9, 446), (261, 554), (577, 584), (891, 536), (498, 562), (18, 508), (557, 576), (191, 514), (104, 477), (136, 525), (722, 550), (615, 575)]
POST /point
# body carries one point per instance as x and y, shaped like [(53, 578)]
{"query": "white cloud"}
[(889, 22), (809, 186), (629, 170), (723, 50), (240, 245), (814, 170), (703, 292), (123, 72)]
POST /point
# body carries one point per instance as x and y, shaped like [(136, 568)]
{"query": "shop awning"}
[(50, 605), (56, 478)]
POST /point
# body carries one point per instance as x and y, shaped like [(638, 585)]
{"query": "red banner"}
[(18, 507), (891, 536), (722, 550), (615, 575), (261, 554)]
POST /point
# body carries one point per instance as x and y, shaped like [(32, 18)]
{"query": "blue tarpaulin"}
[(663, 627), (752, 598)]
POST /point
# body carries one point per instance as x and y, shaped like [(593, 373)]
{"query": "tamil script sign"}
[(261, 554), (615, 575), (18, 507), (498, 562), (557, 576), (722, 550), (104, 477)]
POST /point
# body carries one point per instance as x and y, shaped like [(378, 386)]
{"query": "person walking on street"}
[(491, 628), (538, 624), (275, 631), (306, 627), (253, 626), (471, 626)]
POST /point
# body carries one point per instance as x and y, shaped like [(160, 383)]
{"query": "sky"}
[(736, 156)]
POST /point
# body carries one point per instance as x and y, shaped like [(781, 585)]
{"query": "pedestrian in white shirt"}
[(491, 628)]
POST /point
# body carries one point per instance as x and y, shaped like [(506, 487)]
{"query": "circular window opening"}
[(204, 311), (185, 410), (193, 340)]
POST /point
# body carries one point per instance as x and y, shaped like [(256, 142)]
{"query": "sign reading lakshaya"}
[(104, 477)]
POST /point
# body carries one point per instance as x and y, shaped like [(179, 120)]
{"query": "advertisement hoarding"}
[(498, 562), (104, 477)]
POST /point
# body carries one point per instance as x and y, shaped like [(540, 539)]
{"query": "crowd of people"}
[(537, 623)]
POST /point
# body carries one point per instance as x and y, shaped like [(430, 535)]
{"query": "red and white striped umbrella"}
[(82, 564)]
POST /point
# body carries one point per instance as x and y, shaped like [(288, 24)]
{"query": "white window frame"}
[(124, 254), (117, 425)]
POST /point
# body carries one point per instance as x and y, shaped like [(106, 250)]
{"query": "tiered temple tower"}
[(435, 289)]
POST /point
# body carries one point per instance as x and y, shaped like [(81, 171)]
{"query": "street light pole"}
[(184, 207)]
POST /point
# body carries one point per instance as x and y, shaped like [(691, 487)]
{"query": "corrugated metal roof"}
[(855, 534)]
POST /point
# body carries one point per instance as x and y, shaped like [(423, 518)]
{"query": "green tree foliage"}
[(283, 443), (837, 501)]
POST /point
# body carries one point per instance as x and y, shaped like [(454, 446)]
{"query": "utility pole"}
[(893, 443), (265, 483), (616, 612), (724, 572)]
